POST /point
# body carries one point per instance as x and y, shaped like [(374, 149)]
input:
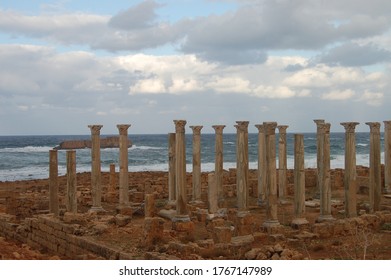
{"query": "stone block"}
[(222, 235), (122, 220), (124, 210), (153, 230)]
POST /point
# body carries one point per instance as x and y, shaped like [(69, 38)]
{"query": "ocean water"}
[(27, 157)]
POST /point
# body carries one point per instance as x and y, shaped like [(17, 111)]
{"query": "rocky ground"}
[(365, 241)]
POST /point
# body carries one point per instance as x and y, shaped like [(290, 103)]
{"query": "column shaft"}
[(282, 161), (112, 180), (53, 182), (219, 162), (242, 165), (299, 182), (261, 172), (71, 198), (171, 167), (212, 194), (319, 155), (96, 187), (350, 176), (180, 166), (387, 157), (123, 165), (196, 178), (271, 176), (374, 167), (325, 183)]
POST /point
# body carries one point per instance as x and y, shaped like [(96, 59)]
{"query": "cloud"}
[(372, 98), (338, 95), (353, 54), (141, 16)]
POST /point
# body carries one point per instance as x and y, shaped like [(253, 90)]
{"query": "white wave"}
[(134, 147), (362, 144), (27, 149)]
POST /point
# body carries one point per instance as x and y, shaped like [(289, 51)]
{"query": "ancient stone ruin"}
[(268, 213)]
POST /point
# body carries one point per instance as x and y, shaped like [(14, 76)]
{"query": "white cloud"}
[(148, 86), (273, 92), (338, 95), (372, 98)]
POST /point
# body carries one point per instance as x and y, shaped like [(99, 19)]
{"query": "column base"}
[(181, 219), (299, 223), (271, 223), (325, 218), (96, 209), (125, 210), (261, 202)]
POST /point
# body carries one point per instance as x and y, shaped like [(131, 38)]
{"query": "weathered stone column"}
[(387, 157), (325, 184), (112, 179), (374, 167), (282, 161), (71, 198), (319, 155), (212, 194), (53, 182), (219, 161), (350, 176), (171, 168), (180, 167), (299, 183), (271, 176), (123, 165), (196, 195), (96, 187), (261, 165), (242, 165)]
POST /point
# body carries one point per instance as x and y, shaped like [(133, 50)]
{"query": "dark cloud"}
[(352, 54)]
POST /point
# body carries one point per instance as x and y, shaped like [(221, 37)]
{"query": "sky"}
[(65, 64)]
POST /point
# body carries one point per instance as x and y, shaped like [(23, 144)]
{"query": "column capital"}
[(282, 128), (349, 126), (374, 127), (324, 128), (261, 128), (196, 129), (242, 125), (270, 128), (180, 126), (319, 121), (387, 125), (123, 128), (218, 128), (95, 128)]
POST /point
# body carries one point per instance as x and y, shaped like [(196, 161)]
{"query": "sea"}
[(27, 157)]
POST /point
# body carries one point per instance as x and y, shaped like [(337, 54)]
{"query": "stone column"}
[(53, 182), (180, 167), (71, 198), (242, 165), (261, 165), (299, 183), (112, 179), (212, 194), (271, 176), (219, 161), (96, 170), (196, 195), (123, 165), (325, 184), (171, 168), (374, 167), (319, 155), (387, 157), (350, 176), (282, 161)]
